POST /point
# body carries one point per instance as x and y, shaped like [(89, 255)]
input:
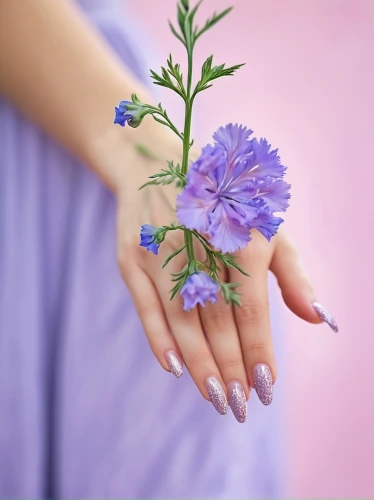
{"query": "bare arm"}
[(60, 72)]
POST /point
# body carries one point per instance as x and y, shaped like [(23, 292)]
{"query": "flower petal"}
[(121, 117), (193, 207), (198, 289), (275, 193), (263, 162), (147, 238), (234, 139), (267, 224), (226, 233), (209, 158)]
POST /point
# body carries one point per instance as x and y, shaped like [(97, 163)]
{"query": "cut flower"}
[(234, 186)]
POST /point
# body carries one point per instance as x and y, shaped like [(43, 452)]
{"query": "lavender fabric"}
[(85, 410)]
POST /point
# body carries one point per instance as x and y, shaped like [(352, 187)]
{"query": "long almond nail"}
[(217, 395), (263, 383), (237, 400), (174, 363), (325, 316)]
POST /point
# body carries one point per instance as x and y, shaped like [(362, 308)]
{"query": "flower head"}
[(199, 288), (131, 112), (149, 238), (234, 186)]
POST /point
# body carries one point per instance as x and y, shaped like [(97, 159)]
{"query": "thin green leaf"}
[(212, 21), (192, 13), (229, 294), (181, 273), (229, 260), (176, 289), (239, 268), (149, 183), (145, 151), (209, 73), (157, 119), (171, 256), (181, 17), (176, 34), (165, 82), (236, 299)]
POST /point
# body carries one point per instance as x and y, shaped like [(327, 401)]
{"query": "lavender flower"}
[(199, 288), (148, 238), (234, 186), (131, 112)]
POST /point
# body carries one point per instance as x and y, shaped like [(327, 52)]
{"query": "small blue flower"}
[(199, 288), (148, 238), (122, 115), (131, 112)]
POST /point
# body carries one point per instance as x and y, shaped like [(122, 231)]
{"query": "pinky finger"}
[(155, 325), (296, 289)]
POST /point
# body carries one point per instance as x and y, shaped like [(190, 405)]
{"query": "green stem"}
[(167, 123), (188, 117), (186, 148), (189, 245)]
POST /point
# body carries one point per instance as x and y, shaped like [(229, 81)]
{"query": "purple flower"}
[(148, 238), (122, 115), (234, 186), (266, 223), (199, 288), (131, 112)]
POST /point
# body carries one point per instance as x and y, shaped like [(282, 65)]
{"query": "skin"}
[(59, 72)]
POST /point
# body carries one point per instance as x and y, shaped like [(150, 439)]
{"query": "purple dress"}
[(85, 410)]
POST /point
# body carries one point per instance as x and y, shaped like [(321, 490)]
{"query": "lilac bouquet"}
[(235, 185)]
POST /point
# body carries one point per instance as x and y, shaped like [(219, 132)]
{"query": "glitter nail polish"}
[(217, 395), (325, 316), (237, 400), (174, 363), (263, 383)]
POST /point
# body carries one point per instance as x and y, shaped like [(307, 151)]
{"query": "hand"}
[(226, 349)]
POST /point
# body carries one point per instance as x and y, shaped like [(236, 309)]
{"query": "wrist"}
[(116, 159)]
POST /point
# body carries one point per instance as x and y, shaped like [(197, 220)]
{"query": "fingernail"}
[(263, 383), (217, 395), (237, 400), (174, 363), (325, 316)]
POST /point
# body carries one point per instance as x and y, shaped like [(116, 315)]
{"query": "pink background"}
[(308, 87)]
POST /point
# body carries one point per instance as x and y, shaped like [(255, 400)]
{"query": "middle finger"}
[(253, 318), (220, 329)]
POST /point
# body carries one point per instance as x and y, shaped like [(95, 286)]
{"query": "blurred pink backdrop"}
[(308, 87)]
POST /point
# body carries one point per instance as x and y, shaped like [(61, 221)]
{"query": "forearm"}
[(58, 70)]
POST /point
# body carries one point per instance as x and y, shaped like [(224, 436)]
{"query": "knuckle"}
[(200, 357), (127, 252), (258, 347), (216, 317), (253, 312), (256, 258), (259, 247), (230, 363)]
